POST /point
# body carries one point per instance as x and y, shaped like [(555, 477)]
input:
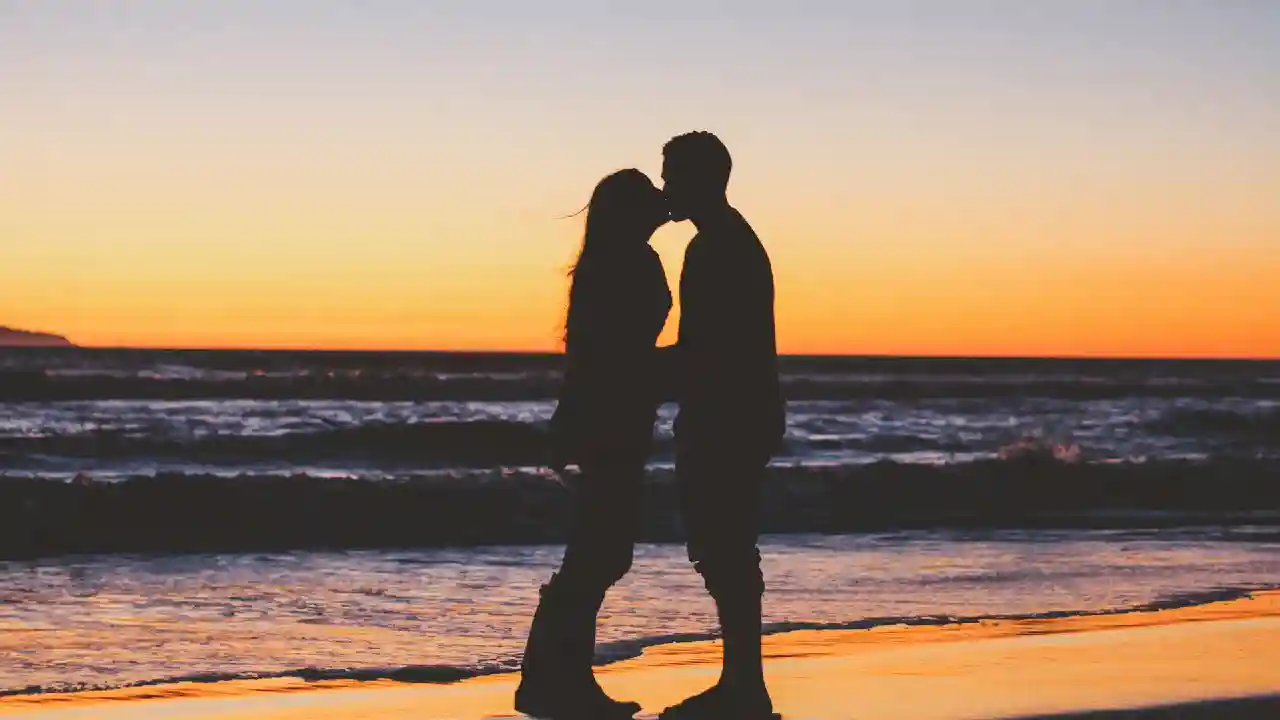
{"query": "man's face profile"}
[(675, 186)]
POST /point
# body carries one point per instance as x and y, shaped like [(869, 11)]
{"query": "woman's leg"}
[(603, 528), (557, 674)]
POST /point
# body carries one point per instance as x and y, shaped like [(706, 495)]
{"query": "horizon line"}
[(493, 351)]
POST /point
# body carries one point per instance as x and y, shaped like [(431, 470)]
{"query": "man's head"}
[(695, 173)]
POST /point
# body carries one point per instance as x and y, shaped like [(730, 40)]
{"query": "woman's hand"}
[(558, 457), (667, 373)]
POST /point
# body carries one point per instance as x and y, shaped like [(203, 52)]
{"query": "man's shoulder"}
[(729, 244), (738, 234), (698, 246)]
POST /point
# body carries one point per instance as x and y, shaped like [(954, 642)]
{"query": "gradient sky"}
[(961, 177)]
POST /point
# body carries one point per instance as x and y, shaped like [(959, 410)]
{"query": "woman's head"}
[(624, 211), (625, 208)]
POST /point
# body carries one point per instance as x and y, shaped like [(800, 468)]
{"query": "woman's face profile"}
[(654, 210)]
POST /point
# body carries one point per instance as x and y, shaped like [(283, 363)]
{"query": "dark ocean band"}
[(203, 513)]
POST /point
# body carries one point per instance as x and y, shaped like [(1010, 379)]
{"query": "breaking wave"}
[(174, 513)]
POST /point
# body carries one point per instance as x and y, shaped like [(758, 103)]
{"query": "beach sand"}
[(1220, 660)]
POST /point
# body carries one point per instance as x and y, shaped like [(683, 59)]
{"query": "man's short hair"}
[(702, 152)]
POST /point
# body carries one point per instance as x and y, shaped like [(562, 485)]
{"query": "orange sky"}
[(1078, 181)]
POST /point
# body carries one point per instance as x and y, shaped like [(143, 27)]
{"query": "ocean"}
[(211, 514)]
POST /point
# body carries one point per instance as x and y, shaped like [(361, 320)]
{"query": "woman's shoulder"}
[(656, 272)]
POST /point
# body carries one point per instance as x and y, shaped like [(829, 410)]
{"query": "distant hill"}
[(10, 337)]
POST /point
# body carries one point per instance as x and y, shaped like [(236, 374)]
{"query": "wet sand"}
[(1214, 661)]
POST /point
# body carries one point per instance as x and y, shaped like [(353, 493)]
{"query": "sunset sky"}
[(957, 177)]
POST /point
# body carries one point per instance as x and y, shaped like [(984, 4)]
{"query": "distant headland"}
[(12, 337)]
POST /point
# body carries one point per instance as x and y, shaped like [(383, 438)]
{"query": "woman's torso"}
[(620, 309)]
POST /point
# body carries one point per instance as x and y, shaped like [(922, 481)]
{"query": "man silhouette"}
[(731, 418)]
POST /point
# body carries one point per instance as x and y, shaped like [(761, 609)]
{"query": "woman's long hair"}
[(614, 204)]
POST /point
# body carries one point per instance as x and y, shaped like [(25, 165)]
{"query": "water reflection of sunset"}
[(989, 670)]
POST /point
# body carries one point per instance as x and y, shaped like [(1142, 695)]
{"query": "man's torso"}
[(730, 390)]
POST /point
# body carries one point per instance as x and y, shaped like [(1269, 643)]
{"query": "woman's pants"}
[(561, 645), (603, 528)]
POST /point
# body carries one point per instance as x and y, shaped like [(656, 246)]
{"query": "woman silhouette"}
[(618, 304)]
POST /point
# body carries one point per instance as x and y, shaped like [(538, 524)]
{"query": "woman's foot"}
[(719, 702), (556, 680), (559, 701)]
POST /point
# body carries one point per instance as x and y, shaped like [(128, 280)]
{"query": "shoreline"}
[(625, 650), (1221, 652), (1262, 708)]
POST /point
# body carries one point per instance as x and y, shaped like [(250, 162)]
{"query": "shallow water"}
[(114, 620)]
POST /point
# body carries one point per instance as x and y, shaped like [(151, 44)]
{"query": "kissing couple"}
[(723, 370)]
